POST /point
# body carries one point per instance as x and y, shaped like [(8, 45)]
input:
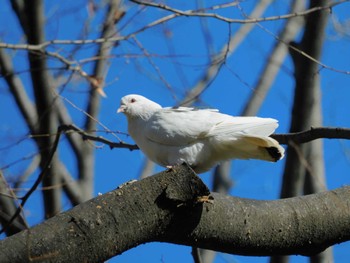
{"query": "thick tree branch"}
[(165, 208)]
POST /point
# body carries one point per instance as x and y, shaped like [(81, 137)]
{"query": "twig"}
[(155, 67), (220, 58), (199, 13), (313, 134), (35, 47), (87, 136)]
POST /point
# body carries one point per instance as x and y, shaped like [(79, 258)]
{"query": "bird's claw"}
[(205, 199)]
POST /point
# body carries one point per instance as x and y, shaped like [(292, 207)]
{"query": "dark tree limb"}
[(313, 134), (86, 136), (8, 208), (304, 169), (164, 208)]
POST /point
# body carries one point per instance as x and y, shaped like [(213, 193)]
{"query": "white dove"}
[(200, 137)]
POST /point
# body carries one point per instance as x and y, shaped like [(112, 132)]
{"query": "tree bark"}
[(165, 208)]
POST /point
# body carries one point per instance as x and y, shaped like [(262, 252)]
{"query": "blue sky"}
[(179, 58)]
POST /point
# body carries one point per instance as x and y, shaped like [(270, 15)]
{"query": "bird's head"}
[(134, 106)]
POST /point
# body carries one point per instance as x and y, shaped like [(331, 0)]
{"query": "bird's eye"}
[(133, 100)]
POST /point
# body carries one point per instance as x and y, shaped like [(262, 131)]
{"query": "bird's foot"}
[(205, 199)]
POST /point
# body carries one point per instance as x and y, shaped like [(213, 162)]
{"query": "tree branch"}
[(165, 208), (199, 13), (36, 47), (87, 136), (313, 134)]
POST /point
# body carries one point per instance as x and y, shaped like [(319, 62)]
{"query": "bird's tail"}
[(249, 147), (267, 148)]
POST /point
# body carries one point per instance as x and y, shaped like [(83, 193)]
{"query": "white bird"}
[(200, 137)]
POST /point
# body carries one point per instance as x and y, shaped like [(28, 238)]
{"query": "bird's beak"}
[(122, 108)]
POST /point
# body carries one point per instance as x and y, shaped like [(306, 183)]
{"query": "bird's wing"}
[(184, 126), (180, 126), (234, 126)]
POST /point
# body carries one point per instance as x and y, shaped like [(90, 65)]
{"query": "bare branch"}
[(41, 46), (198, 13), (155, 67), (87, 136), (313, 134)]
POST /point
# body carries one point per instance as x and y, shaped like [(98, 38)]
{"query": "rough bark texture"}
[(165, 208)]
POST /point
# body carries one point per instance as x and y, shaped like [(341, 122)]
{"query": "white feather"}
[(202, 138)]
